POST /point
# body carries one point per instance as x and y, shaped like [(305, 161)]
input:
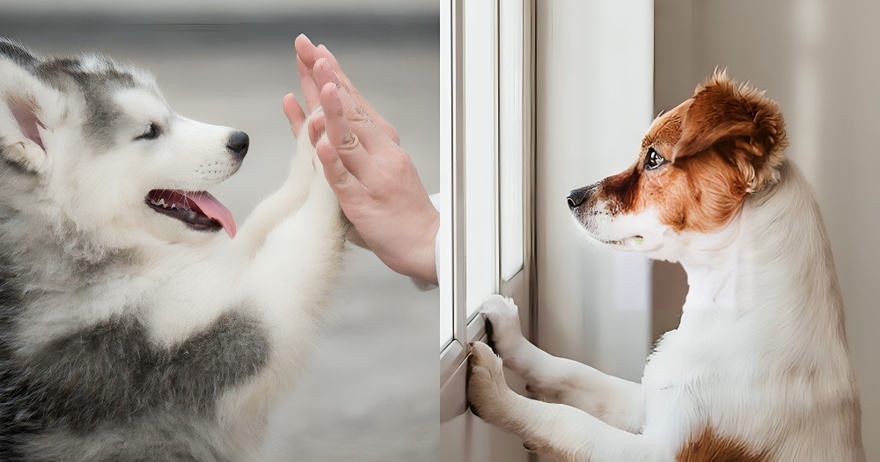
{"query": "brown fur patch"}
[(742, 120), (723, 143), (621, 190), (708, 446), (665, 132), (697, 194)]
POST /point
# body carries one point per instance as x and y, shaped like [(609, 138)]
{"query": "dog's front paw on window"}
[(503, 327), (486, 388)]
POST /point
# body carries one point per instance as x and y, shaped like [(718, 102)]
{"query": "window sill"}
[(453, 371)]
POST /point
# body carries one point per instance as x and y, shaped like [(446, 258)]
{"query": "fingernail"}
[(332, 88)]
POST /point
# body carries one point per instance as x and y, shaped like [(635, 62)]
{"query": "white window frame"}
[(501, 136), (594, 107)]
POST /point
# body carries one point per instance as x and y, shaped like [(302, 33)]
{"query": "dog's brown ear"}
[(740, 123)]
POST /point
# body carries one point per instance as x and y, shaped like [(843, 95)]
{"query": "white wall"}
[(819, 59), (594, 91)]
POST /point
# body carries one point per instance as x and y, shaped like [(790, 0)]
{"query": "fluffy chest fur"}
[(706, 365)]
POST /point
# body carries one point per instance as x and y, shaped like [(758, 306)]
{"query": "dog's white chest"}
[(685, 364), (666, 378)]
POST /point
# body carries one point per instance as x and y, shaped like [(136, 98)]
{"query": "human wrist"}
[(420, 261)]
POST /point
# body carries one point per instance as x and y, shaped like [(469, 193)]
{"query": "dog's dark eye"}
[(151, 134), (653, 160)]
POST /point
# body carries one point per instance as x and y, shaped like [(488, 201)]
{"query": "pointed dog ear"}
[(23, 104), (741, 124)]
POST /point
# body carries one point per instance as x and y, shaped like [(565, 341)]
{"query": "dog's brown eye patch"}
[(699, 193), (621, 191)]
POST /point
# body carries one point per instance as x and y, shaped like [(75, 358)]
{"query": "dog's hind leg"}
[(562, 432), (615, 401)]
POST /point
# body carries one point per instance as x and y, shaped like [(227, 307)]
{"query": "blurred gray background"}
[(371, 393)]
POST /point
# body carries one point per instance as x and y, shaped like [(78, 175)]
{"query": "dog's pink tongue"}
[(212, 208)]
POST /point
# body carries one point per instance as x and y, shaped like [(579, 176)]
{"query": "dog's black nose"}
[(579, 196), (238, 143)]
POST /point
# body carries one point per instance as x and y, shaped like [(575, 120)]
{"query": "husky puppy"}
[(131, 327)]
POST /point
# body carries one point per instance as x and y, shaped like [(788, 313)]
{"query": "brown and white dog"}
[(758, 369)]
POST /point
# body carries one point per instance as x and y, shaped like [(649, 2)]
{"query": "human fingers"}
[(321, 51), (339, 134), (305, 60), (316, 127), (342, 79), (305, 50), (311, 90), (309, 54), (294, 113), (341, 180), (360, 119)]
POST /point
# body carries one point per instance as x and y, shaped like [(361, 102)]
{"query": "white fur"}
[(279, 268), (760, 355)]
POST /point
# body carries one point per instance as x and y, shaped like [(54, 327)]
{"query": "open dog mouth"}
[(197, 209)]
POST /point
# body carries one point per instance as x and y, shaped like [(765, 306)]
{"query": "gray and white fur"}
[(128, 331)]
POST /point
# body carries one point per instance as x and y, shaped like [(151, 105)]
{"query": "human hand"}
[(374, 178), (306, 56)]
